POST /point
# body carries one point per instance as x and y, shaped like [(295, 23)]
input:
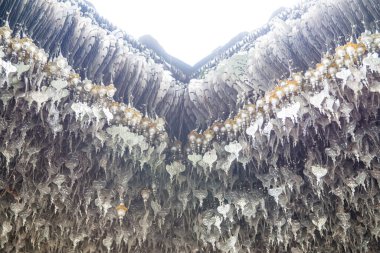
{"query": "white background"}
[(189, 30)]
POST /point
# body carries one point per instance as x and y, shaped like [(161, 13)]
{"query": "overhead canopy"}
[(291, 166)]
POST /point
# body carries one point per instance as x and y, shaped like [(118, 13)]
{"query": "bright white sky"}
[(189, 30)]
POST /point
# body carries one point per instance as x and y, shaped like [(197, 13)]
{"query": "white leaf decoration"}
[(210, 157), (255, 127), (372, 61), (174, 169), (375, 87), (21, 68), (97, 113), (224, 209), (320, 222), (59, 84), (318, 99), (318, 172), (107, 242), (233, 148), (200, 195), (289, 112), (275, 192), (6, 228), (194, 158), (344, 74), (17, 208), (268, 129), (40, 97), (108, 114), (144, 145), (122, 133), (8, 67), (80, 110)]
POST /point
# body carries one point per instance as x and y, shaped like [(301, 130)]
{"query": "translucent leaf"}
[(107, 242), (275, 192), (372, 61), (234, 148), (174, 169), (210, 157), (59, 84), (290, 111), (344, 74), (200, 195), (21, 68), (194, 158), (318, 172)]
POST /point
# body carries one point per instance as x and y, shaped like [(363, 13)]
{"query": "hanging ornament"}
[(121, 210)]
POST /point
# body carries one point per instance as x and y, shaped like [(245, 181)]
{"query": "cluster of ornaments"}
[(213, 208), (23, 50), (311, 81), (224, 132)]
